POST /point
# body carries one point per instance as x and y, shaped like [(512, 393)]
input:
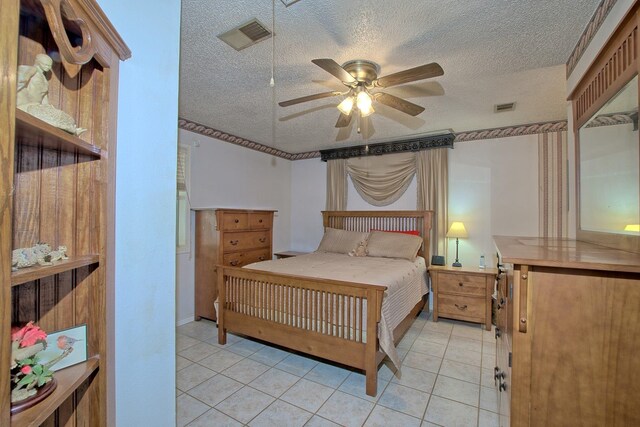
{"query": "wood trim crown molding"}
[(589, 32)]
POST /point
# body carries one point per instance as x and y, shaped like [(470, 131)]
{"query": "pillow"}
[(341, 241), (412, 232), (393, 245)]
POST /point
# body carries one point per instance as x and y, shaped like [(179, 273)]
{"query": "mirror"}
[(610, 165)]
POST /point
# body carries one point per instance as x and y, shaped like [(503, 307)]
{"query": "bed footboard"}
[(331, 319)]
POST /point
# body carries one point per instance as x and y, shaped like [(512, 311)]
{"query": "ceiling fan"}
[(361, 79)]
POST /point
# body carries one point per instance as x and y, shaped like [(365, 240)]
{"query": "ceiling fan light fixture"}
[(346, 105), (363, 102)]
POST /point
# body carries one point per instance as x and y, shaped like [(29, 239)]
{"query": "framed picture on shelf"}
[(65, 348)]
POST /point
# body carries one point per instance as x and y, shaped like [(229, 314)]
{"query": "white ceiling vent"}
[(501, 108), (245, 35)]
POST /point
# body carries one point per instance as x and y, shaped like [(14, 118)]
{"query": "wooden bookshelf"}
[(29, 274)]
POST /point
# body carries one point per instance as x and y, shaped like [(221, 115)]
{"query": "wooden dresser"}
[(463, 293), (568, 333), (232, 237)]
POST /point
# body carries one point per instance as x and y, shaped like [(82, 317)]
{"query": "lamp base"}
[(456, 264)]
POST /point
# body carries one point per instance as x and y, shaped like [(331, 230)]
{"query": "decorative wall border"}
[(414, 144), (504, 132), (587, 35), (614, 119)]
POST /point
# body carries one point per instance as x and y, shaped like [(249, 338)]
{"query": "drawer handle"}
[(236, 220), (262, 239), (260, 221), (460, 284), (233, 242), (464, 307), (261, 258), (498, 333), (503, 386), (233, 263)]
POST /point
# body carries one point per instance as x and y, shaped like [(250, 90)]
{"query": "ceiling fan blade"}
[(333, 68), (399, 104), (344, 120), (309, 98), (411, 75)]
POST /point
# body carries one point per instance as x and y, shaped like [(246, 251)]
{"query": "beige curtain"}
[(432, 174), (381, 180), (553, 196), (337, 185)]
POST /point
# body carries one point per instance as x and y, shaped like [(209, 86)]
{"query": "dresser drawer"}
[(456, 306), (243, 240), (240, 259), (260, 220), (466, 284), (234, 221)]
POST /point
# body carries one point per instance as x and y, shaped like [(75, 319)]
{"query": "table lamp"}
[(458, 231)]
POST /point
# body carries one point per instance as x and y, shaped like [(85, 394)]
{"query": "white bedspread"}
[(406, 283)]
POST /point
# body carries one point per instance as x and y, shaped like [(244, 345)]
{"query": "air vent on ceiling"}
[(245, 35), (501, 108)]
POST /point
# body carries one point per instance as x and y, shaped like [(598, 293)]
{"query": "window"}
[(183, 243)]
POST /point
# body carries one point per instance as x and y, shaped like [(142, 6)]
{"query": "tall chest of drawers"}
[(230, 237)]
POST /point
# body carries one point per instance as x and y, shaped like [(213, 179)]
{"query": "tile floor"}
[(447, 380)]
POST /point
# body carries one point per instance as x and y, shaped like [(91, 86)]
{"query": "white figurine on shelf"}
[(33, 96), (40, 254)]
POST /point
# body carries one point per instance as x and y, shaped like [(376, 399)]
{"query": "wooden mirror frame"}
[(615, 65)]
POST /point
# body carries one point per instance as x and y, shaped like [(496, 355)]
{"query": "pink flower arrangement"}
[(27, 373)]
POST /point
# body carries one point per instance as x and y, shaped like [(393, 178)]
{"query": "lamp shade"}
[(457, 230)]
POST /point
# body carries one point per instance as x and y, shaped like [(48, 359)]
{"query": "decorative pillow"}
[(412, 232), (393, 245), (361, 250), (341, 241)]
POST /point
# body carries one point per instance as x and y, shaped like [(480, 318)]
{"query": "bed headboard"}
[(366, 221)]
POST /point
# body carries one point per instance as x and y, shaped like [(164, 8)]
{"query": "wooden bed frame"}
[(289, 310)]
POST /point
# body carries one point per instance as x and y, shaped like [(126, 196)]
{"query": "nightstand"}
[(463, 293), (288, 254)]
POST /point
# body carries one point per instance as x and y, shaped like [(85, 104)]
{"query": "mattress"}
[(406, 283)]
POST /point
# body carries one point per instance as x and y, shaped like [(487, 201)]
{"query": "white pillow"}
[(341, 241), (393, 245)]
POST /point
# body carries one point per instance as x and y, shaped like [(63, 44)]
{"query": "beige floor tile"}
[(488, 379), (182, 362), (422, 361), (489, 399), (188, 409), (428, 424), (435, 336), (274, 382), (221, 360), (198, 352), (280, 414), (355, 385), (246, 370), (385, 417), (317, 421), (460, 371), (488, 419), (183, 342), (214, 418), (329, 375), (442, 325), (446, 412), (488, 361), (457, 390), (465, 343), (386, 370), (297, 365), (215, 390), (464, 356), (468, 330), (428, 347), (245, 347), (245, 404), (200, 330), (307, 395), (488, 347), (416, 378), (346, 410), (404, 399), (269, 355), (192, 375)]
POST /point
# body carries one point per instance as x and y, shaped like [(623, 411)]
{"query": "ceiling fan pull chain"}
[(272, 83)]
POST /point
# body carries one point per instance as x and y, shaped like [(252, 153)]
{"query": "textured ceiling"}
[(492, 52)]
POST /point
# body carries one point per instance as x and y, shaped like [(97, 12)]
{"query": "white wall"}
[(493, 189), (224, 175), (145, 213)]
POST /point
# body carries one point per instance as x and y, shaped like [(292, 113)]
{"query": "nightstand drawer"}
[(467, 284), (458, 306)]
